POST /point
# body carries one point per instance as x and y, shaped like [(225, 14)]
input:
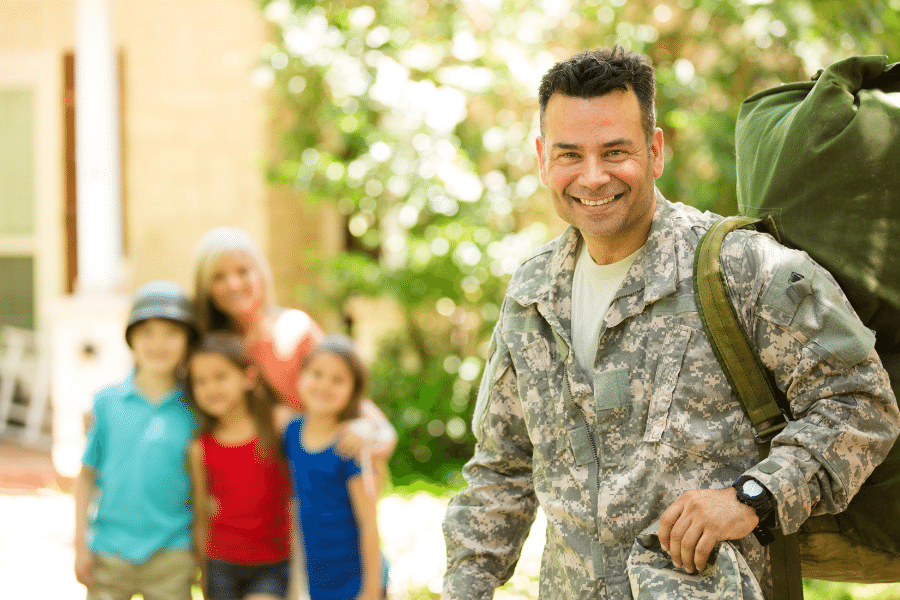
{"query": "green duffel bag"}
[(822, 158)]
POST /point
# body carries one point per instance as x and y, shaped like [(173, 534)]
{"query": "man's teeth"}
[(599, 202)]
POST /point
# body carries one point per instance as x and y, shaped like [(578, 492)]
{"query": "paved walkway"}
[(26, 469), (36, 555), (37, 527)]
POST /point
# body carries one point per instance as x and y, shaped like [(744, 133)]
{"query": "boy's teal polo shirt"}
[(139, 451)]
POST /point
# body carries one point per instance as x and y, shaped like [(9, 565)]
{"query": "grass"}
[(829, 590)]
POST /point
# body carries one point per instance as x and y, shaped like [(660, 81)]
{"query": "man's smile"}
[(596, 201)]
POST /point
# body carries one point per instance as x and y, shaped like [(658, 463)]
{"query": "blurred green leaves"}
[(416, 119)]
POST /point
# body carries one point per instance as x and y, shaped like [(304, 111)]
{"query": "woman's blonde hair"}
[(211, 247), (260, 398)]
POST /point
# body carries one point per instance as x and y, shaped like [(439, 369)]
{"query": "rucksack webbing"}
[(745, 372), (748, 378)]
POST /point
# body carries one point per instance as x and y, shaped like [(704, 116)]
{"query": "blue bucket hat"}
[(162, 300)]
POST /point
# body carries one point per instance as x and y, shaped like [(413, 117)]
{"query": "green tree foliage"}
[(417, 119)]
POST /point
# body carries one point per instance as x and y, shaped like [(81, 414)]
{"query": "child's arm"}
[(376, 432), (200, 499), (385, 435), (372, 440), (282, 415), (84, 559), (365, 510)]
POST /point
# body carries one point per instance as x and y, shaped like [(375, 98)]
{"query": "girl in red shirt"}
[(241, 486)]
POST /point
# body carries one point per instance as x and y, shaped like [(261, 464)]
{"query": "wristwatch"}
[(753, 494)]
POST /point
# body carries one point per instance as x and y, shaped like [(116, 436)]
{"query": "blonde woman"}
[(233, 291)]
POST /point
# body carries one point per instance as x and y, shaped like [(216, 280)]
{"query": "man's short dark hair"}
[(593, 73)]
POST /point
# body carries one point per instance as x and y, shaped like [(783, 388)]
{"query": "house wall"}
[(195, 132)]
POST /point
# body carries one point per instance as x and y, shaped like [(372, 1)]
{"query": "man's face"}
[(600, 169)]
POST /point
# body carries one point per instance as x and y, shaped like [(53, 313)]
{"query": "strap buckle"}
[(767, 434)]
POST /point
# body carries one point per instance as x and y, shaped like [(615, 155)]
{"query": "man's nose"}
[(594, 173)]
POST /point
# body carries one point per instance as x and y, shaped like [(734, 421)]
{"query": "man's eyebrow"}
[(565, 146), (619, 142)]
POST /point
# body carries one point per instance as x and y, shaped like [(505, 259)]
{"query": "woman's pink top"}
[(250, 523), (280, 354)]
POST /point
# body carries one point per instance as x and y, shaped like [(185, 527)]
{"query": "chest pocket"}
[(691, 407), (526, 336)]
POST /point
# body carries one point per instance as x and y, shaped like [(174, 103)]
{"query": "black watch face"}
[(752, 489)]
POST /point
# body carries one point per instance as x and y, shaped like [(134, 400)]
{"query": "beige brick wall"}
[(195, 131), (194, 125)]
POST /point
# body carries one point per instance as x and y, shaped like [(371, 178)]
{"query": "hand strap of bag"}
[(748, 377)]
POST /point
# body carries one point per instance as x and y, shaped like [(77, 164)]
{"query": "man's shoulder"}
[(542, 254), (751, 254), (292, 429), (742, 244), (685, 217), (536, 267)]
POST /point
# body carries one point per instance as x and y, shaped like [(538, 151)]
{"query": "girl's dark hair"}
[(342, 347), (260, 398)]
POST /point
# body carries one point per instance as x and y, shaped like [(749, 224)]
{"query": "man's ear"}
[(539, 146), (657, 153)]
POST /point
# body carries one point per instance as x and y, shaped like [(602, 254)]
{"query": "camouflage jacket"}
[(605, 453)]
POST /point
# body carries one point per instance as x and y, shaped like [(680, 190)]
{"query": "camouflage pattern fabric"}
[(605, 453), (654, 577)]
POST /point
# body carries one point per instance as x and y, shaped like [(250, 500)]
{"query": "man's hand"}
[(696, 522)]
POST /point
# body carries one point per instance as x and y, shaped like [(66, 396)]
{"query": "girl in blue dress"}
[(337, 508)]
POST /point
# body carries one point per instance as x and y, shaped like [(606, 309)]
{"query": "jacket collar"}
[(653, 276)]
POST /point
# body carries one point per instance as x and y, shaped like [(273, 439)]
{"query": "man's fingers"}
[(677, 539), (704, 548), (666, 522), (692, 526), (688, 546)]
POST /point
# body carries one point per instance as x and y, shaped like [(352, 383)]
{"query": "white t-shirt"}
[(593, 288)]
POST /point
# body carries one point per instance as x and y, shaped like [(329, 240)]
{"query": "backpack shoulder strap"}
[(740, 362), (747, 376)]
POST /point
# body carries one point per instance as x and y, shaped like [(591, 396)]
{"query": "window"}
[(17, 208), (31, 230)]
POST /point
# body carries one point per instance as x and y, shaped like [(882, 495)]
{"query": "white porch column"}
[(87, 342), (97, 150)]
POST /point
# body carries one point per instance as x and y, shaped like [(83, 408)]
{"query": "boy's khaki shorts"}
[(167, 575)]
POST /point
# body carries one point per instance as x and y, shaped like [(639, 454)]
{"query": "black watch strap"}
[(761, 503), (763, 533)]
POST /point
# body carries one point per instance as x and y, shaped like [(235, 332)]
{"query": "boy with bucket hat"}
[(132, 497)]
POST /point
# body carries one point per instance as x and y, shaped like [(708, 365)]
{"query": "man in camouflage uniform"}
[(609, 438)]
